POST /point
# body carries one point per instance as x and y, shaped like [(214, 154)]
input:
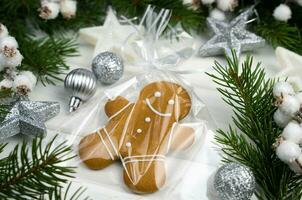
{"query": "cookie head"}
[(166, 99)]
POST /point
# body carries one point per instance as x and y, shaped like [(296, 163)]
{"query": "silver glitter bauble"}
[(107, 67), (81, 83), (27, 117), (231, 36), (234, 181)]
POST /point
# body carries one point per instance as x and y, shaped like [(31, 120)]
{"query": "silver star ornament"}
[(231, 36), (27, 117)]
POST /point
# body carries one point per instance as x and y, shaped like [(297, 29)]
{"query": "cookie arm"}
[(182, 137), (114, 106)]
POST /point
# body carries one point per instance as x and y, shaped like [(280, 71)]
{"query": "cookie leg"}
[(96, 151), (145, 176)]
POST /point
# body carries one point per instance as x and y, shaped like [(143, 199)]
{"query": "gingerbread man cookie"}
[(140, 134)]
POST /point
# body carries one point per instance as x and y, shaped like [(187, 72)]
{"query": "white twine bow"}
[(146, 44)]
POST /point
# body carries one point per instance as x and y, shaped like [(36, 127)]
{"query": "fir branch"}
[(27, 177), (189, 19), (46, 57), (282, 34), (58, 194), (249, 93)]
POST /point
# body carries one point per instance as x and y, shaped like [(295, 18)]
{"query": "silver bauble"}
[(107, 67), (81, 83), (234, 181)]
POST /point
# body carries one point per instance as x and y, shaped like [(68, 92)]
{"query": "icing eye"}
[(171, 102), (157, 94)]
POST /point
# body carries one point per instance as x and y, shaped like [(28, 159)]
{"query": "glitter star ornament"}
[(233, 35), (27, 117), (108, 37)]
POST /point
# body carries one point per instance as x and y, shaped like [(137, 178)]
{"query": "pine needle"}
[(30, 170), (249, 92)]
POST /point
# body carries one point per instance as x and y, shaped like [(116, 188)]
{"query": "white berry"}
[(217, 14), (68, 8), (288, 151), (3, 31), (6, 84), (292, 132), (8, 42), (282, 13), (11, 60), (282, 88), (49, 10), (23, 81), (227, 5), (30, 76), (290, 105), (281, 118)]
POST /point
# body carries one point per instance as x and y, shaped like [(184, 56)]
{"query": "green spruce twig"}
[(30, 170), (248, 91), (45, 57)]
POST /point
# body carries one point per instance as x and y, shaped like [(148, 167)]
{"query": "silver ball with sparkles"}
[(81, 83), (234, 181), (107, 67)]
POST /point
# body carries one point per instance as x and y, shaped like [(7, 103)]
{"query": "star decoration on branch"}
[(108, 37), (233, 35), (27, 117)]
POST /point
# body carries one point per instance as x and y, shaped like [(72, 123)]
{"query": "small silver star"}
[(233, 35), (27, 117)]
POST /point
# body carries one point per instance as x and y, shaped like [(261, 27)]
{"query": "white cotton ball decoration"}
[(281, 118), (292, 132), (49, 10), (8, 42), (23, 84), (227, 5), (6, 84), (290, 105), (3, 31), (284, 88), (68, 8), (288, 151), (11, 61), (217, 14), (205, 2), (30, 76), (282, 13)]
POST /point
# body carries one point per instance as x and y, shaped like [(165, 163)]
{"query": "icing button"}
[(139, 130), (147, 119), (128, 144), (171, 102), (157, 94)]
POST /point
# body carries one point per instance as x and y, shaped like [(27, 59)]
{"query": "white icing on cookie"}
[(147, 119), (157, 112), (157, 94), (171, 102)]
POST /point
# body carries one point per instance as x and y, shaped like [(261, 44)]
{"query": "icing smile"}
[(156, 111)]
